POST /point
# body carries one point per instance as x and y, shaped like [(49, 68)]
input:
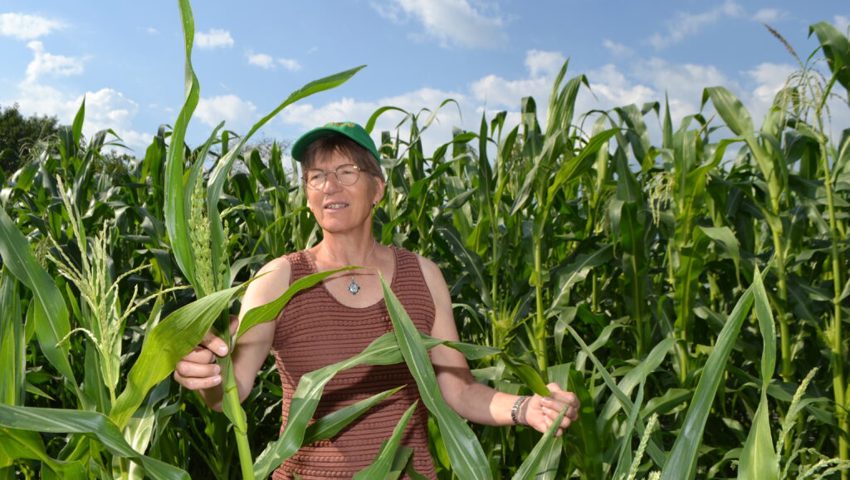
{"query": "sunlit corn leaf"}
[(681, 462), (51, 315), (332, 423), (12, 342), (836, 48), (97, 425), (382, 351), (269, 311), (468, 458), (380, 468), (165, 344), (176, 207), (758, 459)]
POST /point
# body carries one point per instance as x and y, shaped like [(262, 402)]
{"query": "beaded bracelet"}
[(515, 409)]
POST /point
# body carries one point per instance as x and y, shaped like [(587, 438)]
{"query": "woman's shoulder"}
[(272, 279)]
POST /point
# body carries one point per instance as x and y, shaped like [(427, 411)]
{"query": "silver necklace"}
[(353, 286)]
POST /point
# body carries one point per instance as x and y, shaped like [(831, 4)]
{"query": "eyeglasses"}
[(346, 175)]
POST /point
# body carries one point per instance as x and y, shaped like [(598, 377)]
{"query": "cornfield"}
[(693, 291)]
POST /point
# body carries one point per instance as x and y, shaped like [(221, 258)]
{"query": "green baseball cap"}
[(349, 129)]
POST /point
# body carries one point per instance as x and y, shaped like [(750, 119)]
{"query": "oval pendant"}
[(353, 287)]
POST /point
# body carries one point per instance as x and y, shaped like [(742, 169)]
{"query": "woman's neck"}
[(340, 250)]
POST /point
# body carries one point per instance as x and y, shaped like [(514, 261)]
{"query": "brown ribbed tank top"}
[(315, 330)]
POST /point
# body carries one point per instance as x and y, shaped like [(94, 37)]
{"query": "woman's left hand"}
[(540, 412)]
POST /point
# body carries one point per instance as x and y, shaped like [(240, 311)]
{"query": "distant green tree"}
[(18, 133)]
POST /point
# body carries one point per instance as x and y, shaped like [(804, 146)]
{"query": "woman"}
[(338, 318)]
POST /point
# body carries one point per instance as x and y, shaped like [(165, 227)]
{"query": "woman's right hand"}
[(198, 370)]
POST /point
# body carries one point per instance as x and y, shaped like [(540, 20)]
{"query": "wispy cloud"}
[(261, 60), (48, 63), (616, 48), (769, 15), (152, 31), (23, 26), (266, 61), (214, 38), (449, 22), (688, 24)]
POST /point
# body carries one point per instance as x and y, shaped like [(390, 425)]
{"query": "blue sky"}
[(126, 57)]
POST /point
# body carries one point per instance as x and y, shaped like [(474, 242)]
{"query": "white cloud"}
[(214, 38), (237, 113), (26, 27), (769, 15), (152, 31), (616, 48), (261, 60), (687, 24), (268, 62), (540, 63), (842, 23), (496, 91), (450, 22), (289, 64), (683, 83), (306, 116), (499, 92), (769, 79), (105, 108), (611, 88), (48, 63)]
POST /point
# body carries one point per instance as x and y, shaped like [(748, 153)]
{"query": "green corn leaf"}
[(175, 209), (578, 270), (332, 423), (269, 311), (383, 463), (12, 342), (94, 424), (165, 344), (50, 314), (681, 462), (77, 126), (731, 110), (836, 49), (527, 375), (759, 461), (531, 465), (575, 167), (653, 449), (590, 443), (382, 351), (468, 458)]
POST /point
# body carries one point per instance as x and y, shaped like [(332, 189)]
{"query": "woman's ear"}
[(379, 190)]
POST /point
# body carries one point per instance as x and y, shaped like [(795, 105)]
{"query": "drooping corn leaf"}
[(52, 322), (468, 459), (94, 424)]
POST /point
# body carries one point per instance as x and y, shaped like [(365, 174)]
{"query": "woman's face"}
[(339, 208)]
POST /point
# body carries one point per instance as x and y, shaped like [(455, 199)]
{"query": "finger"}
[(197, 383), (199, 355), (197, 370), (214, 344)]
